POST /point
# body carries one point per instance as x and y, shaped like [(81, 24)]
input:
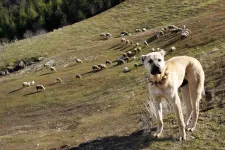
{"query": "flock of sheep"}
[(126, 57)]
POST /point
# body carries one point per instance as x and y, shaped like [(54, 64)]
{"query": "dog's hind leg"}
[(195, 95), (159, 114), (187, 102)]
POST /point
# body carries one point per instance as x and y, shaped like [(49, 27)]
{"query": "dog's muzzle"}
[(155, 70)]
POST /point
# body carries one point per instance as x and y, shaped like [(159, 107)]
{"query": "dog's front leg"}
[(180, 118), (158, 105)]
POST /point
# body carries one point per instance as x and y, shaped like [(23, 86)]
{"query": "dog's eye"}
[(159, 60), (150, 61)]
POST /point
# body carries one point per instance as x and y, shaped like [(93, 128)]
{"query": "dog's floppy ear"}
[(162, 52), (143, 57)]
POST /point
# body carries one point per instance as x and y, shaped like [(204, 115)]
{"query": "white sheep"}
[(136, 65), (139, 49), (108, 62), (95, 68), (144, 29), (125, 70), (173, 48), (108, 35), (127, 41), (78, 76), (123, 40), (153, 49), (32, 83), (79, 61), (138, 30), (171, 27), (102, 66), (40, 87), (131, 42), (59, 80), (53, 69), (157, 36), (26, 84), (120, 61), (146, 43), (102, 35), (137, 44)]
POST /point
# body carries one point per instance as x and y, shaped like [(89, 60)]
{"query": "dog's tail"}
[(203, 94)]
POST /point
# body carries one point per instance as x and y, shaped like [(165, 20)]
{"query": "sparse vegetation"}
[(103, 109)]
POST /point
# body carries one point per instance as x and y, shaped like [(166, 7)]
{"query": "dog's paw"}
[(180, 138), (190, 129), (157, 134)]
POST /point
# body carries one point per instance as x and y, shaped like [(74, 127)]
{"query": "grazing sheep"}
[(171, 27), (120, 61), (146, 43), (125, 70), (136, 65), (127, 59), (26, 84), (102, 35), (153, 49), (53, 69), (130, 53), (78, 76), (122, 35), (158, 49), (161, 33), (95, 68), (79, 61), (40, 87), (138, 30), (131, 42), (32, 83), (129, 34), (137, 44), (123, 40), (139, 49), (108, 35), (176, 30), (127, 42), (173, 48), (108, 62), (144, 29), (59, 80), (135, 58), (134, 51), (157, 36), (102, 66)]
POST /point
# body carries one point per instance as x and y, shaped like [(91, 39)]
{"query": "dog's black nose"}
[(155, 70)]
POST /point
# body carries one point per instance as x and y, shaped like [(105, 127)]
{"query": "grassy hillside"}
[(103, 110)]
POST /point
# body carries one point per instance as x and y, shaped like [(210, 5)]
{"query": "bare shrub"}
[(28, 34)]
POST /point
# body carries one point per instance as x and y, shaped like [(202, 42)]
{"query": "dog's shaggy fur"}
[(165, 79)]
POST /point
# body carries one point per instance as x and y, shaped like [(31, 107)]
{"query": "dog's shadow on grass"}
[(134, 141)]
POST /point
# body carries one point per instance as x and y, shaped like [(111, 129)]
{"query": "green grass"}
[(109, 103)]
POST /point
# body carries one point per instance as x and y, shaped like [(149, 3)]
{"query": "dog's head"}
[(154, 62)]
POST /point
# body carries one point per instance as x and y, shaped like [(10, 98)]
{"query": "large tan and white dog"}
[(165, 79)]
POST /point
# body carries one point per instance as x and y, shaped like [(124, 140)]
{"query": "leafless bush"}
[(148, 113), (28, 34), (40, 32)]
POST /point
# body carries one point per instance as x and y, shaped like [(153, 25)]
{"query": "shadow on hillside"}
[(53, 83), (134, 141), (46, 74), (15, 90), (31, 93)]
